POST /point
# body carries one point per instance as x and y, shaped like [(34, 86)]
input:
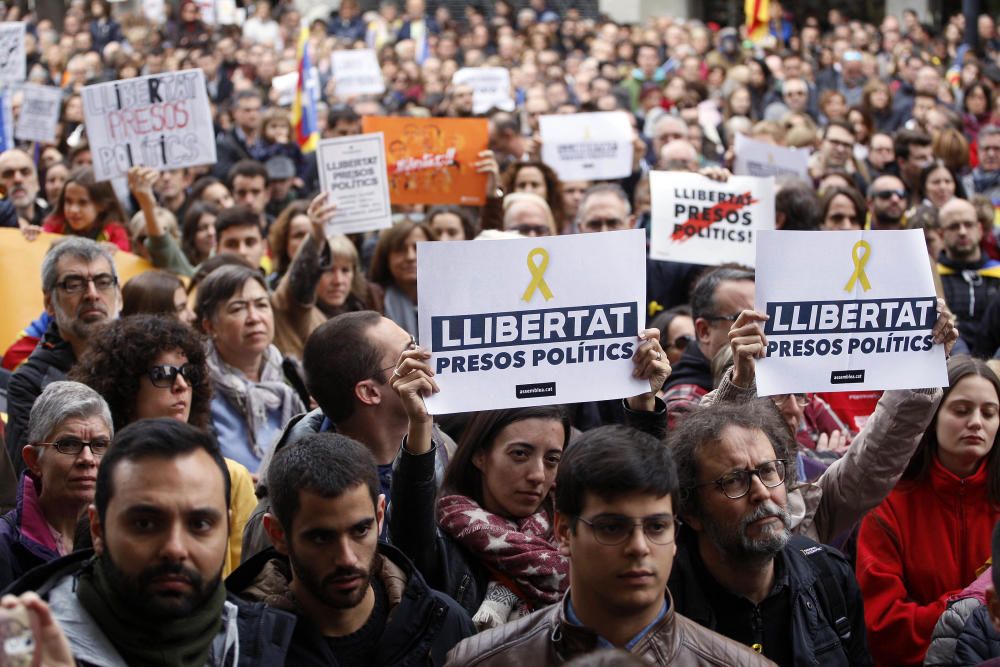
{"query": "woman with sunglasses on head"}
[(69, 430), (931, 536), (487, 538), (149, 366)]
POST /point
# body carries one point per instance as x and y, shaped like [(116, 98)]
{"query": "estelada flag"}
[(758, 13), (432, 160), (304, 121)]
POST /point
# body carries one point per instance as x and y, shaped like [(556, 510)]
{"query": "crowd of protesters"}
[(227, 459)]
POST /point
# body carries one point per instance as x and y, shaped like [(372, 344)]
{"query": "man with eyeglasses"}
[(985, 179), (616, 499), (739, 570), (69, 431), (835, 152), (81, 290), (969, 277), (887, 202), (717, 299), (604, 208)]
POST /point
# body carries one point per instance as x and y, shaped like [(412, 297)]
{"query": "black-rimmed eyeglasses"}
[(736, 484)]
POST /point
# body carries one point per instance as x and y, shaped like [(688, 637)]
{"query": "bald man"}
[(970, 278)]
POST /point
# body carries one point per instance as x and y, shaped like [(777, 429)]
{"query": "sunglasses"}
[(166, 375), (681, 342), (889, 194)]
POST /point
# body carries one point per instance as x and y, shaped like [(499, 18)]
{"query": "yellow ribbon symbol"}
[(859, 266), (537, 275)]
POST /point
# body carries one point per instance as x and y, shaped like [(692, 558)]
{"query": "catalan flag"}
[(304, 122), (758, 13)]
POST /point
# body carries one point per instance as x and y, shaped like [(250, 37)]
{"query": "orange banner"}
[(432, 160), (21, 279)]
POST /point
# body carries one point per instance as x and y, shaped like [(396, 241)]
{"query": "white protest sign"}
[(697, 220), (284, 85), (160, 120), (758, 158), (356, 72), (155, 10), (849, 311), (520, 322), (587, 146), (490, 87), (39, 117), (13, 66), (353, 170)]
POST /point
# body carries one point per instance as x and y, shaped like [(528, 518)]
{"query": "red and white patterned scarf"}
[(522, 551)]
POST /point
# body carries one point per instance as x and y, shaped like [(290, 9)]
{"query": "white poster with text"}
[(490, 87), (520, 322), (352, 169), (588, 146), (848, 311), (356, 72), (761, 159), (39, 117), (161, 121), (698, 220)]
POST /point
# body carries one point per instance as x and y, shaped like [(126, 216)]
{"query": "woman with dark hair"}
[(929, 537), (876, 100), (394, 268), (103, 28), (211, 190), (290, 228), (977, 109), (252, 402), (156, 293), (88, 208), (539, 179), (842, 209), (939, 184), (198, 232), (676, 331), (151, 366), (488, 540), (451, 223)]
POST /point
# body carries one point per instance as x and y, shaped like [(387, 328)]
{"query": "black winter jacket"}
[(979, 640), (422, 625), (815, 639), (50, 361)]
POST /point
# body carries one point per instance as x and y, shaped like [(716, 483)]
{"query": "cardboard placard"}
[(432, 160), (698, 220), (161, 121)]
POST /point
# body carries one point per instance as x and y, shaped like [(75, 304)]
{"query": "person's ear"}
[(702, 329), (380, 512), (96, 529), (49, 308), (562, 527), (479, 459), (208, 327), (367, 392), (31, 456), (275, 533)]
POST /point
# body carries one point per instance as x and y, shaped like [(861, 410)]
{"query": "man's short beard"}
[(133, 591), (737, 546), (317, 586)]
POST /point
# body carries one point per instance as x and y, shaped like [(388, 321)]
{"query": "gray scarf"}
[(255, 399)]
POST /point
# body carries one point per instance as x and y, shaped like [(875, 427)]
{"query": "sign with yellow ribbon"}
[(872, 332), (859, 266), (501, 336), (537, 275)]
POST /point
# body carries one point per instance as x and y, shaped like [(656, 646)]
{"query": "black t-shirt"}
[(765, 627), (361, 647)]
